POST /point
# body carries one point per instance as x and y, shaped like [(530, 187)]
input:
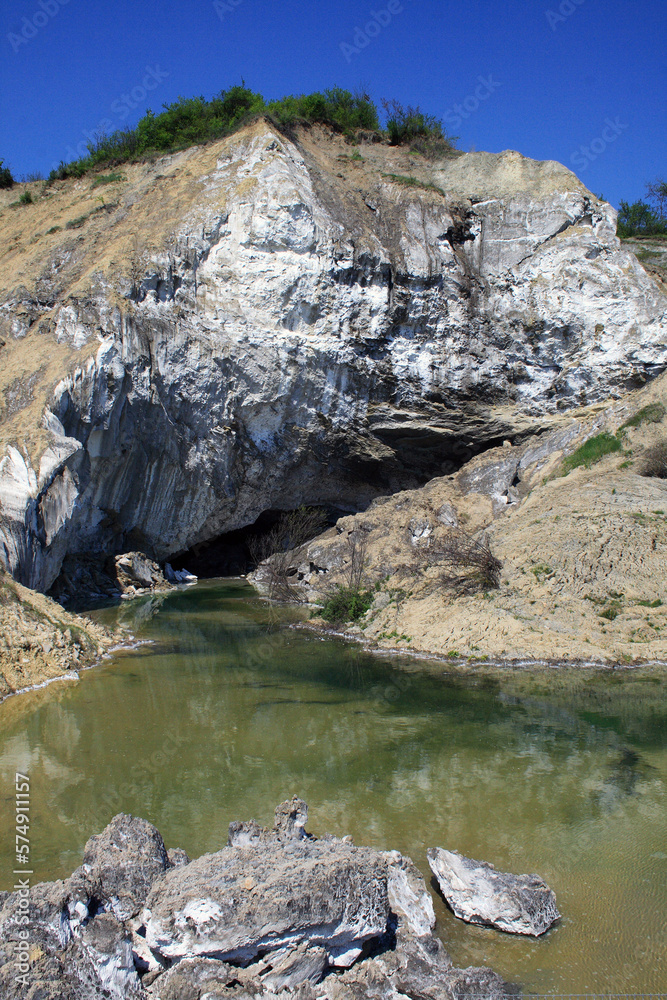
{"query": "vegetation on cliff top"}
[(6, 179), (645, 218), (194, 120)]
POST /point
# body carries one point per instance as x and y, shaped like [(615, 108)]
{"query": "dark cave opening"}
[(230, 554), (428, 453), (419, 456)]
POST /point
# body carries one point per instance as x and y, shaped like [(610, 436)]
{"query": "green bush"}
[(651, 414), (413, 182), (190, 121), (76, 169), (406, 124), (26, 198), (413, 127), (592, 451), (340, 109), (108, 179), (76, 223), (346, 604), (639, 219), (6, 179)]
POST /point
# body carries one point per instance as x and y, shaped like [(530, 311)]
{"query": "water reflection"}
[(229, 710)]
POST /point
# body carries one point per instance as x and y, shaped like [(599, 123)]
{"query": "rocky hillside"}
[(552, 549), (269, 320)]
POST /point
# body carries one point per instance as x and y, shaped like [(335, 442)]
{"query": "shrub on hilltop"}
[(422, 132), (190, 121), (645, 218), (347, 113), (6, 179)]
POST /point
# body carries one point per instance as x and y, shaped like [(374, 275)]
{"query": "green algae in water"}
[(229, 711)]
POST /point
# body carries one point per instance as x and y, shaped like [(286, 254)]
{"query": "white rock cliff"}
[(309, 329)]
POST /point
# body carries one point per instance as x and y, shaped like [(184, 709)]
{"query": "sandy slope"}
[(40, 641)]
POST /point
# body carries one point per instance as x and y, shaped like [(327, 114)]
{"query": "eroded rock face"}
[(285, 915), (120, 865), (479, 894), (309, 335), (321, 893)]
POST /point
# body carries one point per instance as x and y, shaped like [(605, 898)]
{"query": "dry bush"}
[(470, 564), (655, 460), (292, 530), (356, 545)]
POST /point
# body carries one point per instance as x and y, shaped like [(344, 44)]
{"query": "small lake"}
[(230, 710)]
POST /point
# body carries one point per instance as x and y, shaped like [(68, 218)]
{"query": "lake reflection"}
[(231, 710)]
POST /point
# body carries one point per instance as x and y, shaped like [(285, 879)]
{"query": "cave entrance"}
[(235, 553), (420, 454), (426, 453)]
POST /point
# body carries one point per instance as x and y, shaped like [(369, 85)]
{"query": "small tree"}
[(639, 219), (276, 547), (656, 192), (6, 179)]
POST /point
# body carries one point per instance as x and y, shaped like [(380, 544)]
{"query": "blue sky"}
[(580, 81)]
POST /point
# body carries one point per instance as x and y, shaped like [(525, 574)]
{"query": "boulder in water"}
[(479, 894)]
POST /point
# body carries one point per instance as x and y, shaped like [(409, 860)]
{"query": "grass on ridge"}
[(592, 451), (413, 182)]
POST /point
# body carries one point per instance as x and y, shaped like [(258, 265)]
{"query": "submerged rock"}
[(479, 894)]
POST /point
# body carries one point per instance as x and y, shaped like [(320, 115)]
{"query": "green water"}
[(231, 710)]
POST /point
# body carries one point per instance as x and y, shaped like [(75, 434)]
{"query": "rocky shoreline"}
[(40, 641), (276, 912)]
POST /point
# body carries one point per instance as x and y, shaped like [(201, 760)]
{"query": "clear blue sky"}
[(580, 81)]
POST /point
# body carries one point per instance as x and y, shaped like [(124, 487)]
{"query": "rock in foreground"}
[(274, 912), (480, 894)]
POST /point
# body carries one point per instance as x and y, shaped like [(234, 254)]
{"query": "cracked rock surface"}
[(283, 915)]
